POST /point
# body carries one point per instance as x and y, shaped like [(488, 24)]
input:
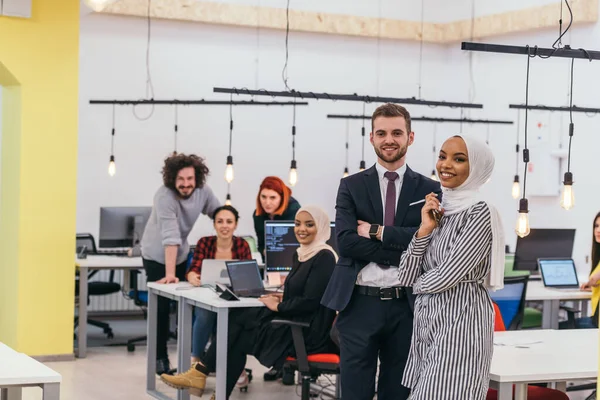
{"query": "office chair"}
[(533, 392), (310, 366), (85, 244), (511, 300)]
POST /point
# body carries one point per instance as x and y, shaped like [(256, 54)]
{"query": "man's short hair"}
[(390, 110)]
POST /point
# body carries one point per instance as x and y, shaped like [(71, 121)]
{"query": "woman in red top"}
[(223, 246)]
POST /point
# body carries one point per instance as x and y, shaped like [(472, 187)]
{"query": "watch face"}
[(374, 229)]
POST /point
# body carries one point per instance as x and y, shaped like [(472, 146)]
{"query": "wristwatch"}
[(373, 231)]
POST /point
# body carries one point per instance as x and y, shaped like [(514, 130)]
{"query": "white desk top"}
[(110, 262), (203, 295), (20, 369), (536, 291), (5, 350), (545, 355)]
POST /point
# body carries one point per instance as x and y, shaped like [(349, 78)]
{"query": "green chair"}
[(532, 318), (252, 243)]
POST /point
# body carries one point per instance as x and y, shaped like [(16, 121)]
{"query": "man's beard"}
[(185, 196), (393, 158)]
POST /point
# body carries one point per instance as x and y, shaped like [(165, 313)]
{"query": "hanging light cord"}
[(347, 139), (149, 84), (284, 72), (517, 142), (434, 143), (112, 136), (526, 149), (421, 48), (294, 131), (363, 133), (571, 126), (230, 122), (175, 130)]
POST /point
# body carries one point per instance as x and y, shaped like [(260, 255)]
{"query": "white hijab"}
[(481, 166), (306, 252)]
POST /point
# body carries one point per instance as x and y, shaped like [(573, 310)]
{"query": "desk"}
[(96, 263), (17, 370), (554, 356), (188, 297), (536, 291)]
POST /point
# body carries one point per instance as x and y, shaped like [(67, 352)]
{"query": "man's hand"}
[(194, 278), (169, 279), (363, 229)]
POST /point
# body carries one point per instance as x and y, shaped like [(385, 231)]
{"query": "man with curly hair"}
[(177, 205)]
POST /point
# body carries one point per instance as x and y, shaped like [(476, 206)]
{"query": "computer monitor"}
[(543, 243), (281, 244), (122, 226)]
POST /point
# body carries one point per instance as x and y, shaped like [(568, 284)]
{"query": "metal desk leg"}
[(13, 393), (151, 341), (222, 327), (520, 391), (82, 331), (184, 341), (51, 391), (550, 314), (505, 391)]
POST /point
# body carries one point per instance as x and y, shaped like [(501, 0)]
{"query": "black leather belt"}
[(384, 293)]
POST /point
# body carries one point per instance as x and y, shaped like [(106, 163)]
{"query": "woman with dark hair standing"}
[(177, 205), (594, 283), (273, 202)]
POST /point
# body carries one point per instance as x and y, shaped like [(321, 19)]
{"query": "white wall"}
[(187, 60)]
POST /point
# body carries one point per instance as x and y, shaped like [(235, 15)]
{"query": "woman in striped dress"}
[(451, 264)]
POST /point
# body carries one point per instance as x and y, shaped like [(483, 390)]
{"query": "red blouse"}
[(207, 248)]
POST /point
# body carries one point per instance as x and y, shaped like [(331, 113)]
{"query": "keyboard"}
[(112, 252)]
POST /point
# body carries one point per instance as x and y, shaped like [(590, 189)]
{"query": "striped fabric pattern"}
[(452, 342)]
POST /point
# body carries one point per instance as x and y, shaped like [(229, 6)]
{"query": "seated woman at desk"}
[(250, 330), (274, 202), (594, 283), (223, 246)]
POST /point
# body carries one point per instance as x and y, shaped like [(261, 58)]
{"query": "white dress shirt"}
[(372, 274)]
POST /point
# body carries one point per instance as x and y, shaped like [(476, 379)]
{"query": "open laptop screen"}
[(244, 275), (558, 272)]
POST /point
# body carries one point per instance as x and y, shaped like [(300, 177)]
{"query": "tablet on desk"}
[(558, 273)]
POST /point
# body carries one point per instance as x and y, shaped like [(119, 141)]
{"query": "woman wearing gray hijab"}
[(451, 264)]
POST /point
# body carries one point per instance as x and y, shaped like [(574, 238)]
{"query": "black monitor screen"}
[(281, 244), (543, 243), (122, 226)]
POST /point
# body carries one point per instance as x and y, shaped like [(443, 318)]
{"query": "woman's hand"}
[(428, 223), (270, 301), (194, 278), (586, 286), (594, 279)]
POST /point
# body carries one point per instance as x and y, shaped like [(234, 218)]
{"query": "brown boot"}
[(191, 379)]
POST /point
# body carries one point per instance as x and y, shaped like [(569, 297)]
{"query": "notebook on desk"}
[(245, 278), (558, 273)]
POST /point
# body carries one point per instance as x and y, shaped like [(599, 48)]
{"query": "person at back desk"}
[(250, 330), (223, 246), (177, 205), (594, 283)]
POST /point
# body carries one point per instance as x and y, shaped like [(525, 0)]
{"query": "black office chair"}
[(85, 244)]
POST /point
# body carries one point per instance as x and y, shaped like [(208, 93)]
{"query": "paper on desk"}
[(515, 342), (185, 286)]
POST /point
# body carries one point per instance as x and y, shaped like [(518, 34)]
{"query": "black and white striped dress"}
[(452, 342)]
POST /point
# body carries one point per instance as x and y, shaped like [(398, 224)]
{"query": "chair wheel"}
[(130, 347), (244, 389), (249, 374), (110, 335)]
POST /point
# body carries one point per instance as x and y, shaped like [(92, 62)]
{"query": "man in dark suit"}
[(375, 222)]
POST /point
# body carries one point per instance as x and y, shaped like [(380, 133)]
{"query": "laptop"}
[(558, 273), (245, 278), (214, 271)]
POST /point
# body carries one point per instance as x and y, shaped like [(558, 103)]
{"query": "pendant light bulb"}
[(346, 173), (522, 228), (433, 175), (567, 198), (112, 168), (229, 169), (516, 188), (293, 174), (228, 200)]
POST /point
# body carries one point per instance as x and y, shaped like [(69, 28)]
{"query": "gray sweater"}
[(172, 219)]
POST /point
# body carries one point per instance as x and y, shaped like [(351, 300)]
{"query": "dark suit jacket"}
[(359, 198)]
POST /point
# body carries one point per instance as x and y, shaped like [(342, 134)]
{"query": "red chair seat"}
[(533, 393), (320, 358)]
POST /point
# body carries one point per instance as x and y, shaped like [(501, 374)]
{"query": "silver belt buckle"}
[(386, 293)]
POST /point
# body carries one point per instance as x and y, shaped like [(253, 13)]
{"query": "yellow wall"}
[(39, 73)]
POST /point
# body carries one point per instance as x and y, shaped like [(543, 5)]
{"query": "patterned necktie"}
[(390, 203)]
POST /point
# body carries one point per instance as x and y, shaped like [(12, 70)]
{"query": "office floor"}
[(113, 373)]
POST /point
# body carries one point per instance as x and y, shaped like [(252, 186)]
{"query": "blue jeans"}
[(204, 325)]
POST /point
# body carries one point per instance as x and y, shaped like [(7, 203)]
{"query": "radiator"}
[(117, 301)]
